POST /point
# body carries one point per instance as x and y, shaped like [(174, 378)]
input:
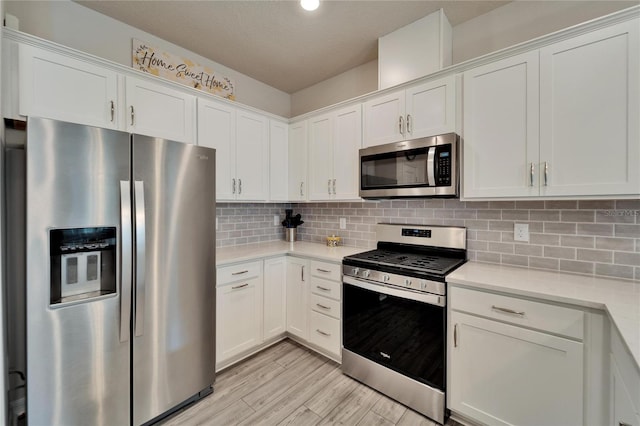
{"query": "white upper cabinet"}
[(561, 121), (334, 141), (278, 161), (500, 139), (590, 118), (63, 88), (421, 110), (159, 111), (252, 156), (217, 129), (298, 183), (241, 140)]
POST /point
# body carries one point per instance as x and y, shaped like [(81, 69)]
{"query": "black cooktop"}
[(420, 262)]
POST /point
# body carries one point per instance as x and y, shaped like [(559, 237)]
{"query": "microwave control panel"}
[(443, 165)]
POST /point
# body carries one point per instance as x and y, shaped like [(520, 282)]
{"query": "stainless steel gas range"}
[(394, 313)]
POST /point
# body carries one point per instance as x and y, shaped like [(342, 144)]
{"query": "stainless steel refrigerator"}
[(118, 254)]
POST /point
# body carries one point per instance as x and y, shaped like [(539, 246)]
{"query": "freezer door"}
[(174, 318), (78, 361)]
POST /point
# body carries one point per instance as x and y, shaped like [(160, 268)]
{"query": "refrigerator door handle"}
[(126, 257), (140, 256)]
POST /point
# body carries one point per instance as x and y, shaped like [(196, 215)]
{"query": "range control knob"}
[(407, 282), (385, 278), (366, 273), (355, 271)]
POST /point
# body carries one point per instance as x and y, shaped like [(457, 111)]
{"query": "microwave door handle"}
[(431, 172)]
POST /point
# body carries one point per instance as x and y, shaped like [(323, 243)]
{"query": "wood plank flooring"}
[(287, 384)]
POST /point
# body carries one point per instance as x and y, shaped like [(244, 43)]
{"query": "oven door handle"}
[(431, 299)]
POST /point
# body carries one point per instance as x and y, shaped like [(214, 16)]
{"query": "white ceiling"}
[(277, 42)]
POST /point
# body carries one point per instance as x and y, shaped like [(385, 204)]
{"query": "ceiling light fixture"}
[(309, 4)]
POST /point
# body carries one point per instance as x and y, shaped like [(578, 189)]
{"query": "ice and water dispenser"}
[(83, 263)]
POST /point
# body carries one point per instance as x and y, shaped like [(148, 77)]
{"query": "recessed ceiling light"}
[(309, 4)]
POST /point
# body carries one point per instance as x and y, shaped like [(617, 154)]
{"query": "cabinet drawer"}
[(325, 306), (329, 271), (324, 332), (554, 319), (325, 288), (243, 271)]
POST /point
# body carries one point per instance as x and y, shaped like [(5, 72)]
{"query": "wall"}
[(78, 27), (505, 26), (588, 237)]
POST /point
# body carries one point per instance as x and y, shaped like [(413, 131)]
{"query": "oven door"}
[(399, 329)]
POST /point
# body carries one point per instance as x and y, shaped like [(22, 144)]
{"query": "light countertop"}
[(620, 299), (229, 255)]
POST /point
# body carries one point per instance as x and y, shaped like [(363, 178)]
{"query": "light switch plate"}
[(521, 232), (343, 223)]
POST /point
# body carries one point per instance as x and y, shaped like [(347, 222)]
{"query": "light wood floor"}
[(288, 384)]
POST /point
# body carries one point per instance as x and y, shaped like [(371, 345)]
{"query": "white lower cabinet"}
[(324, 332), (502, 372), (239, 310), (324, 307), (275, 289), (624, 401), (297, 277)]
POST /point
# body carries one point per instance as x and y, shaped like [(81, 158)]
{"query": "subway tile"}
[(530, 205), (500, 247), (507, 237), (415, 204), (545, 215), (615, 216), (477, 245), (561, 204), (434, 204), (443, 213), (534, 226), (528, 250), (595, 229), (559, 228), (577, 267), (638, 245), (407, 213), (612, 243), (560, 252), (627, 231), (596, 204), (454, 204), (502, 205), (590, 255), (464, 214), (544, 239), (515, 215), (544, 263), (488, 257), (514, 259), (477, 204), (500, 225), (472, 234), (628, 204), (390, 212), (453, 222), (577, 216), (398, 204), (489, 214), (477, 224), (617, 271), (626, 258), (425, 213), (488, 235), (577, 241)]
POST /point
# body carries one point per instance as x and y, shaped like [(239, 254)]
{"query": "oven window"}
[(401, 334), (394, 169)]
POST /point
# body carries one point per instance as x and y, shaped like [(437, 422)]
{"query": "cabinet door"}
[(275, 287), (505, 375), (320, 158), (159, 111), (297, 276), (622, 406), (62, 88), (217, 129), (238, 318), (431, 108), (252, 156), (298, 188), (501, 128), (278, 164), (590, 119), (347, 141), (384, 119)]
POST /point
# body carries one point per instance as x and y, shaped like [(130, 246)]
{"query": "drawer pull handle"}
[(240, 286), (240, 273), (322, 270), (322, 306), (324, 333), (624, 424), (507, 310), (323, 288)]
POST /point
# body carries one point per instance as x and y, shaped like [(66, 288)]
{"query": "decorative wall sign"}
[(172, 67)]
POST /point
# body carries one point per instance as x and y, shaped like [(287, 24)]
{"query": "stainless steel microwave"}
[(426, 167)]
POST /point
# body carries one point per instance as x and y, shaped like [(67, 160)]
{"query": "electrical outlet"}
[(521, 232), (276, 219), (343, 223)]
